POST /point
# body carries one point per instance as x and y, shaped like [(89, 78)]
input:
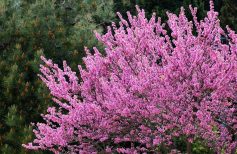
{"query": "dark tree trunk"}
[(189, 147)]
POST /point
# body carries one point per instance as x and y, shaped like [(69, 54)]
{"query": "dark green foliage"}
[(228, 14), (29, 29), (160, 7), (18, 132)]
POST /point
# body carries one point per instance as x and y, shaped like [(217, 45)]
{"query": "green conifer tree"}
[(228, 14), (18, 131), (58, 29), (160, 7)]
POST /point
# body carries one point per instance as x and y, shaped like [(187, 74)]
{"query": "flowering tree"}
[(148, 88)]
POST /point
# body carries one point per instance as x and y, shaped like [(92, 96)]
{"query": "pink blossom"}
[(148, 88)]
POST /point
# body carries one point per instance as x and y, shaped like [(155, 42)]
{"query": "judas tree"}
[(149, 87)]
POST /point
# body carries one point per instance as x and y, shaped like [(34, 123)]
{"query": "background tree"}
[(29, 29), (160, 7), (228, 13)]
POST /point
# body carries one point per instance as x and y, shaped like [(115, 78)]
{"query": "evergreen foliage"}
[(29, 29), (228, 13)]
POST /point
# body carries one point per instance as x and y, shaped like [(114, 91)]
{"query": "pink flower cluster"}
[(148, 88)]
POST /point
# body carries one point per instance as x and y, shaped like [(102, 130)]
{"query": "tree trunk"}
[(189, 147)]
